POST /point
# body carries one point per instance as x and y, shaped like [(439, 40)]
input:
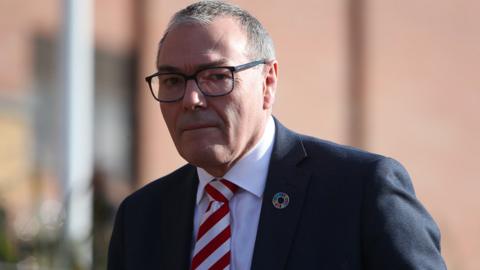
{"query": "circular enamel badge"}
[(281, 200)]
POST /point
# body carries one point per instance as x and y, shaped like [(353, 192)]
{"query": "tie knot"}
[(220, 190)]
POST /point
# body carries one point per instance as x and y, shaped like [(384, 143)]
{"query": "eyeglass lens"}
[(212, 82)]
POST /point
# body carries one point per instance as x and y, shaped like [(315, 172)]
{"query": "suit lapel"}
[(178, 231), (277, 227)]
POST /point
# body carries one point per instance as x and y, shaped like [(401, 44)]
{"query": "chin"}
[(213, 156)]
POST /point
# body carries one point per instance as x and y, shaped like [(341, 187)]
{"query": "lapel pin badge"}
[(280, 200)]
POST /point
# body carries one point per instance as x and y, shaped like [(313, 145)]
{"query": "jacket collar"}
[(277, 226)]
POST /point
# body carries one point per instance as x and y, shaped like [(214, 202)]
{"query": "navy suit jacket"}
[(348, 209)]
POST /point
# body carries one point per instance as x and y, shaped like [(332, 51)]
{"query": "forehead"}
[(190, 44)]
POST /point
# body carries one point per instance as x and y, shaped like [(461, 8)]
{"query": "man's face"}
[(214, 132)]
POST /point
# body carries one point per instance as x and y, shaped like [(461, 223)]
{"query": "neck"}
[(222, 169)]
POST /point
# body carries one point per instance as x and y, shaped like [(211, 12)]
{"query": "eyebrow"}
[(168, 68)]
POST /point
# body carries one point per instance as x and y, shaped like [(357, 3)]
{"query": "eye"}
[(216, 75), (170, 80)]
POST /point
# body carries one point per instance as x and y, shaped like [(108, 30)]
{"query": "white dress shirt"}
[(250, 175)]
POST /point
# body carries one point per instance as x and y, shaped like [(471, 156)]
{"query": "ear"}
[(270, 84)]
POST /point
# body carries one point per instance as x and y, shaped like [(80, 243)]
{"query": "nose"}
[(193, 98)]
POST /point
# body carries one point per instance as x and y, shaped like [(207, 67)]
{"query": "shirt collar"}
[(250, 172)]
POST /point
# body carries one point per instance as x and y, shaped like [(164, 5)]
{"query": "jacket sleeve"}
[(116, 249), (397, 231)]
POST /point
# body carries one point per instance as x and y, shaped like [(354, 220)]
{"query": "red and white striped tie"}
[(212, 246)]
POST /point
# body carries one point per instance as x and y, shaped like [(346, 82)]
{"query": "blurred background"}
[(80, 130)]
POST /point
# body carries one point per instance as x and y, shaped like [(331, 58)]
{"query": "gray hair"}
[(259, 43)]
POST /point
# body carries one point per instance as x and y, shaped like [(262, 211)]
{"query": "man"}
[(255, 195)]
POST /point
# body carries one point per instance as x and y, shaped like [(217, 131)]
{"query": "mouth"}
[(194, 127)]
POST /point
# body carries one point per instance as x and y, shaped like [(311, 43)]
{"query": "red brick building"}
[(394, 77)]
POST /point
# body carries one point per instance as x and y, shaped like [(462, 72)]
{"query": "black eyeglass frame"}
[(233, 70)]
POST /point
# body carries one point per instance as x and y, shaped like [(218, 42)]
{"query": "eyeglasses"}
[(211, 81)]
